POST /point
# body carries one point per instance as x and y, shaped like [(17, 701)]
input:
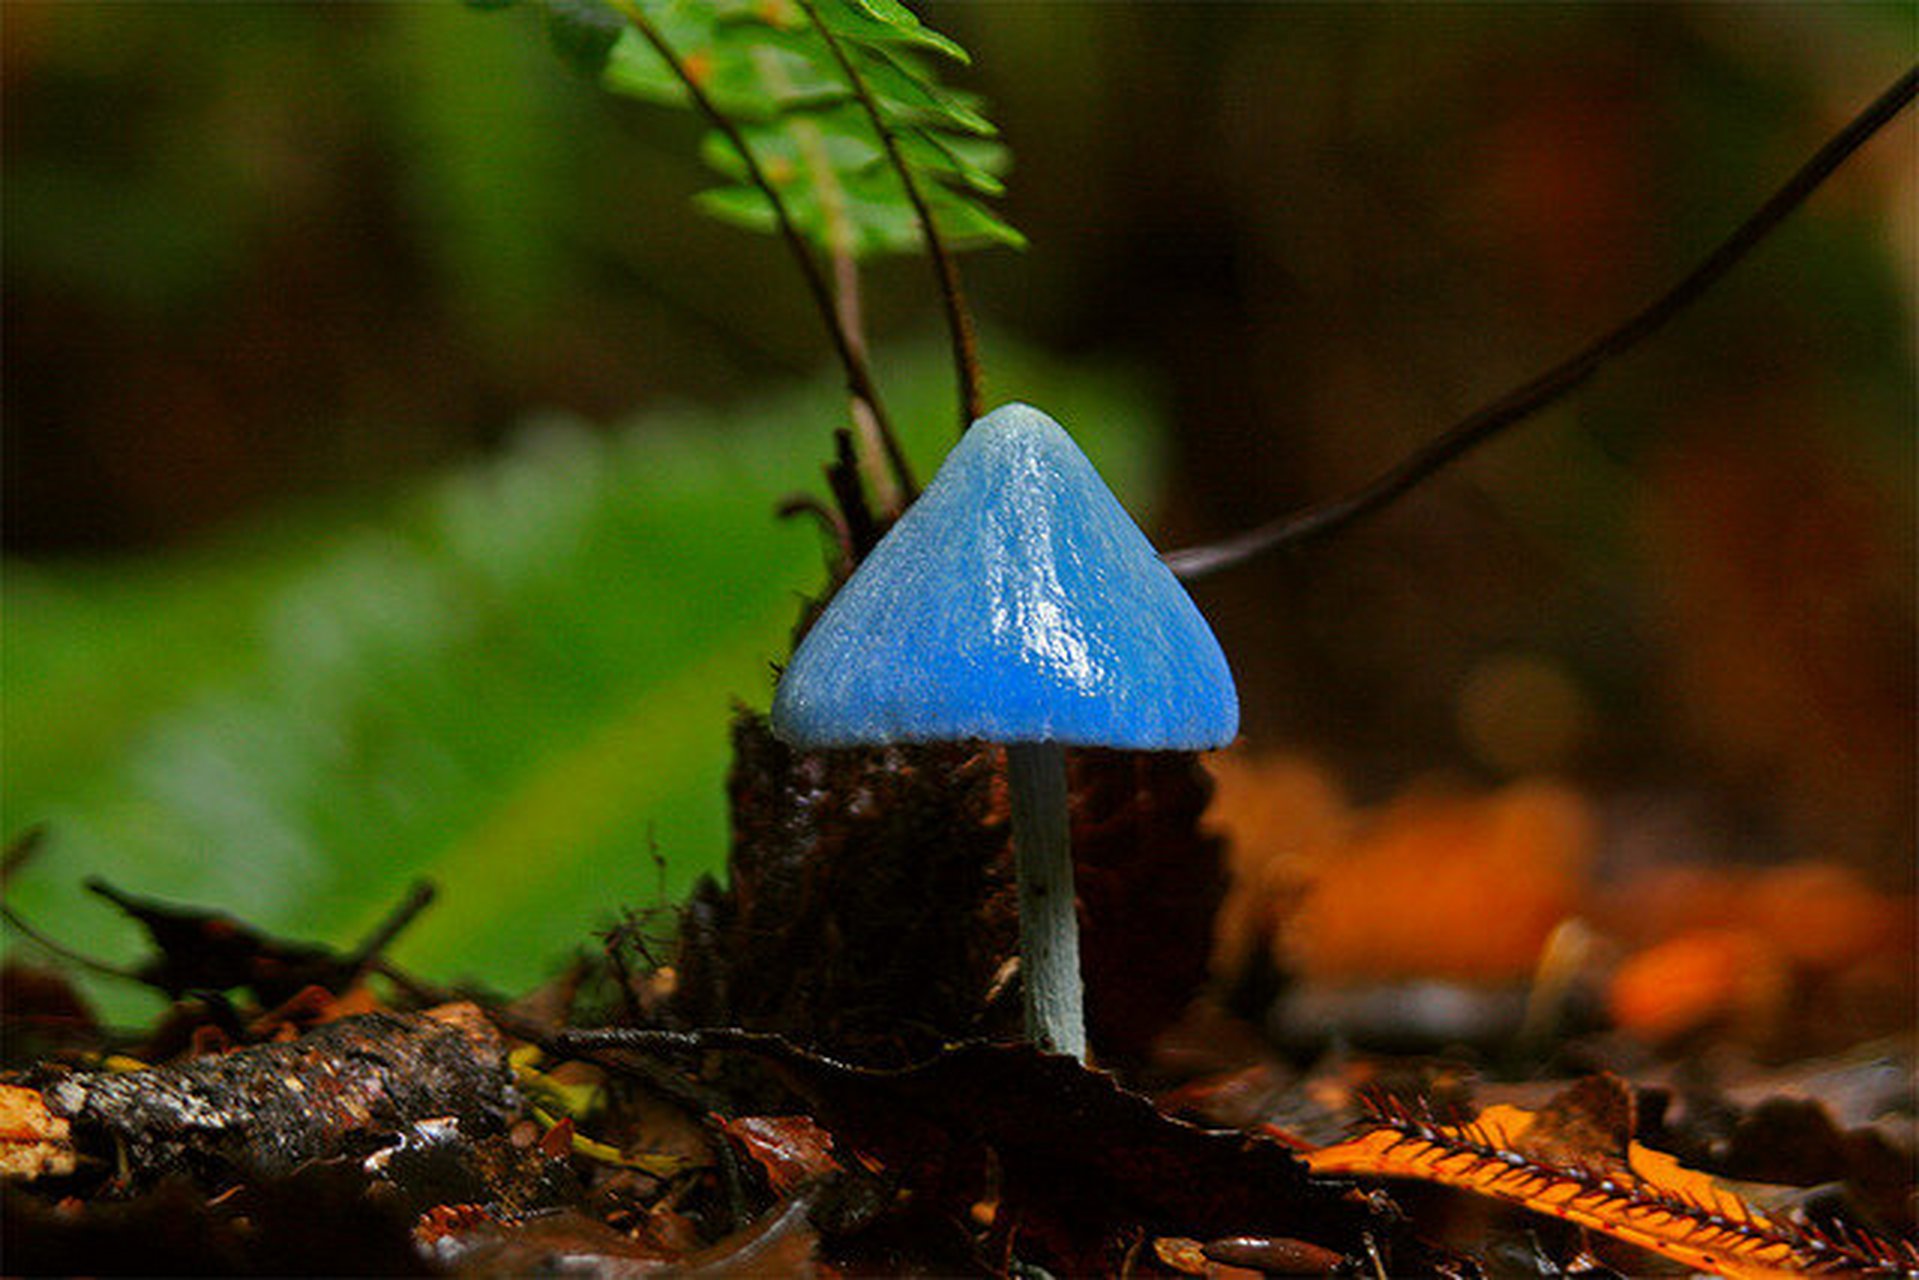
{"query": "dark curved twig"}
[(1524, 401), (61, 950), (859, 379), (959, 323), (21, 850), (831, 522)]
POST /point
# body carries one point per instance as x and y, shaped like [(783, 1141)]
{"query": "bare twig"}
[(612, 943), (63, 951), (959, 323), (418, 898), (859, 379), (1525, 401), (21, 850)]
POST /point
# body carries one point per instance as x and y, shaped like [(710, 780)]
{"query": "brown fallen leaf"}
[(1079, 1163), (1274, 1255), (322, 1219), (792, 1149)]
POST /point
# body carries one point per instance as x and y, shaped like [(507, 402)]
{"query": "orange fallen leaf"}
[(1697, 980), (1465, 887)]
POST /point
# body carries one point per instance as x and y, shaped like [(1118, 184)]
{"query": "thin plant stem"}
[(859, 379), (959, 322), (1048, 917), (846, 282), (1549, 387)]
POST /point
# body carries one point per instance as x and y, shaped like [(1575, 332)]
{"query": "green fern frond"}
[(764, 65)]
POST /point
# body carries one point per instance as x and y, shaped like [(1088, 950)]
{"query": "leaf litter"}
[(810, 1073)]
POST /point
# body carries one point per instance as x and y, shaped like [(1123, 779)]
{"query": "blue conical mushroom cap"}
[(1015, 601)]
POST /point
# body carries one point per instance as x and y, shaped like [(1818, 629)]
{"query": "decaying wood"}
[(264, 1111), (868, 904), (869, 910)]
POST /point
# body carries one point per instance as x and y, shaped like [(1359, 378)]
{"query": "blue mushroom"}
[(1016, 603)]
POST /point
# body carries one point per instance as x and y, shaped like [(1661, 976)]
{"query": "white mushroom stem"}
[(1048, 922)]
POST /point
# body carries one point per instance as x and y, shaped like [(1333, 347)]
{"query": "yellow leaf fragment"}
[(34, 1143), (1181, 1254), (660, 1165)]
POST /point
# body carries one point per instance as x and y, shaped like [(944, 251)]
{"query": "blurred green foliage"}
[(515, 679)]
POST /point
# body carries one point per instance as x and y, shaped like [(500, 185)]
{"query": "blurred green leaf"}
[(516, 681), (583, 32)]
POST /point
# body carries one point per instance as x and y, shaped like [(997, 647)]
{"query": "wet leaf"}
[(317, 1218), (1274, 1255), (793, 1150)]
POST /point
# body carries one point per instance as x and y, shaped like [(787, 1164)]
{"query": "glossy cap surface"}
[(1015, 601)]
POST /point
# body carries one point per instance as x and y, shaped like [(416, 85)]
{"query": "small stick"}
[(419, 897), (843, 477)]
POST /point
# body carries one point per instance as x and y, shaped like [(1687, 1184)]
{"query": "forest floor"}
[(817, 1068)]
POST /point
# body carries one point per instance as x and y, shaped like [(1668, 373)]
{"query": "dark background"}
[(256, 252)]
